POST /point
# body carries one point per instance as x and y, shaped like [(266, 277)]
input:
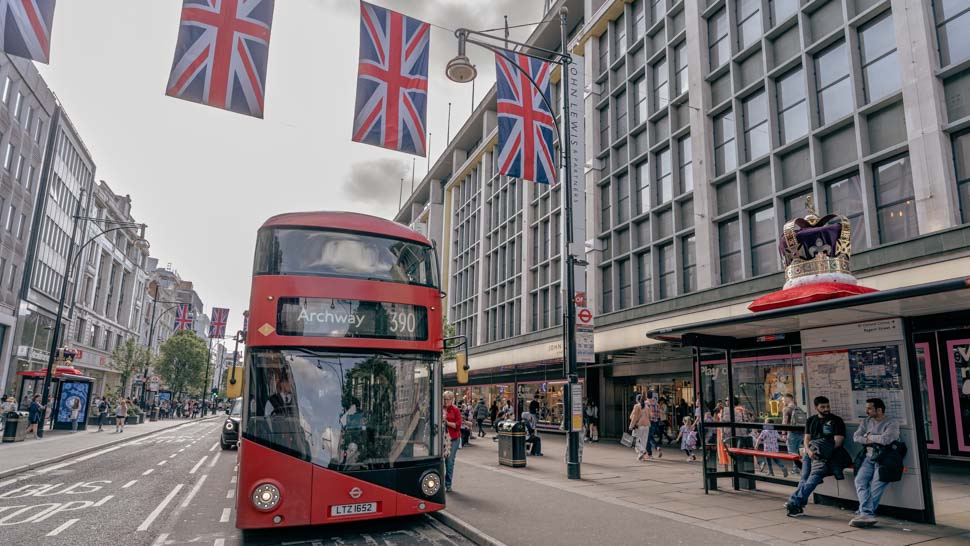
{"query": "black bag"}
[(890, 460)]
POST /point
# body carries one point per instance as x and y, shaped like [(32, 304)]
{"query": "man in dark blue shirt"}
[(828, 428)]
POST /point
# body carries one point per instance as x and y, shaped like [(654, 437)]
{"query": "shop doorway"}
[(943, 363)]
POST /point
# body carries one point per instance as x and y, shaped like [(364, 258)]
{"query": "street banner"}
[(217, 326), (392, 81), (183, 317), (525, 123), (25, 28), (221, 54)]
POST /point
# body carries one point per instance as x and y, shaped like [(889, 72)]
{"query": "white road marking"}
[(219, 542), (162, 463), (198, 464), (147, 472), (198, 485), (62, 527), (214, 446), (233, 480), (158, 510), (235, 468), (160, 540), (214, 459), (129, 484), (79, 459), (226, 512), (181, 450), (231, 493), (173, 455), (104, 500)]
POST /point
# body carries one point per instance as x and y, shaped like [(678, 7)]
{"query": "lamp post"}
[(151, 338), (461, 70), (71, 258)]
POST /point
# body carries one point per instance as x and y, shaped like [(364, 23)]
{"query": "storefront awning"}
[(907, 302)]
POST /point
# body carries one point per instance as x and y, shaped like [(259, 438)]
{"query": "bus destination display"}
[(328, 317)]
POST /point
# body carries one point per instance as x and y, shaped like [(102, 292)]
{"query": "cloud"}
[(378, 182)]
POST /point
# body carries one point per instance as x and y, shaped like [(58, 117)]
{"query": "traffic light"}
[(461, 367)]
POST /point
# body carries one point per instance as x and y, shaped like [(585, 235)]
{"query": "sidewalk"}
[(58, 445), (662, 501)]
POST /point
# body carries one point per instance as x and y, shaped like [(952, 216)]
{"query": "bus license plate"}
[(353, 509)]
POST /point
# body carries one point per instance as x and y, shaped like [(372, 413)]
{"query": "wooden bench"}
[(766, 454)]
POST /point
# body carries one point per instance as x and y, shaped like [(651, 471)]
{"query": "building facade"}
[(111, 292), (26, 106), (708, 124)]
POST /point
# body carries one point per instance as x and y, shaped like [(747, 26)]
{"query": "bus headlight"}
[(266, 497), (430, 483), (228, 425)]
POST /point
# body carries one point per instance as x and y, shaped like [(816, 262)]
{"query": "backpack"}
[(481, 412)]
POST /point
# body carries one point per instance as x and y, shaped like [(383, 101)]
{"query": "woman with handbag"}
[(640, 427)]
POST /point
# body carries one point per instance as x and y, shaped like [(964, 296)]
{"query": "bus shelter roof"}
[(906, 302)]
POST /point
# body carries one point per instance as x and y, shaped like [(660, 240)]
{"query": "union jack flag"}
[(392, 81), (217, 327), (221, 54), (25, 28), (183, 317), (525, 124)]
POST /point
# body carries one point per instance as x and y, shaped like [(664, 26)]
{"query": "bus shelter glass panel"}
[(765, 384)]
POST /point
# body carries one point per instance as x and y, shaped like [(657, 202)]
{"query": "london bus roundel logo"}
[(355, 493)]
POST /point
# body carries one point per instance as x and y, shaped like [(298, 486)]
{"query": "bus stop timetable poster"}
[(849, 376)]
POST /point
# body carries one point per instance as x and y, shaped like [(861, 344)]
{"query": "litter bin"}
[(511, 444), (15, 429), (745, 462), (154, 416)]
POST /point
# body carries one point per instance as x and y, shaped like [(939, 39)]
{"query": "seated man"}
[(824, 435), (875, 431), (531, 436)]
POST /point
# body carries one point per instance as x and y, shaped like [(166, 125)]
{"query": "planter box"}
[(134, 419)]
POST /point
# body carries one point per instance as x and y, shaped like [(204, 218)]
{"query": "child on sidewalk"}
[(688, 438), (769, 437)]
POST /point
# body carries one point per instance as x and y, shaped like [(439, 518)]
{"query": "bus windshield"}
[(291, 251), (343, 411)]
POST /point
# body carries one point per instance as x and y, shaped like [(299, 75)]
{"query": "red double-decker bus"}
[(342, 408)]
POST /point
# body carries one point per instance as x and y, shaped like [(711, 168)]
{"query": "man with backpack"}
[(882, 462), (481, 412)]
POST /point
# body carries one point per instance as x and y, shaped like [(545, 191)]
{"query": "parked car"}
[(230, 429)]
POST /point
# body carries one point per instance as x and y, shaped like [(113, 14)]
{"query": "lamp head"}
[(460, 69)]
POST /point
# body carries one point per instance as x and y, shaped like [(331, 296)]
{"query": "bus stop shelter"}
[(846, 349)]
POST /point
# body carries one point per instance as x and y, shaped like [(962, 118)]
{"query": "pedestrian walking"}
[(640, 428), (121, 413), (481, 412), (493, 415), (102, 413), (35, 414), (688, 438), (452, 419), (879, 434), (655, 425), (592, 415), (75, 413), (768, 437), (824, 454)]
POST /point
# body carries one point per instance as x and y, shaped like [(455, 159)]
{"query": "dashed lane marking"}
[(129, 484), (181, 450), (160, 540), (231, 493), (104, 500), (173, 455), (215, 458), (219, 542), (214, 446), (62, 527), (198, 464), (226, 512), (198, 485), (162, 463), (233, 480), (147, 472), (158, 510)]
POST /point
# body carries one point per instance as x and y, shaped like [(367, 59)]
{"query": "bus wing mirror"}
[(461, 367)]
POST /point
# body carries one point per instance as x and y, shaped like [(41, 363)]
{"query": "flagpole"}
[(448, 137), (413, 161), (400, 195)]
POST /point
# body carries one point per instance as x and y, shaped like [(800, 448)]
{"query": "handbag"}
[(627, 439)]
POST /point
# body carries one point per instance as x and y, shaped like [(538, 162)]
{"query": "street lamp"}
[(71, 258), (151, 337), (461, 70)]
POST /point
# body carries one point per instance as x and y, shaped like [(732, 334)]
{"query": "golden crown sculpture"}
[(816, 249)]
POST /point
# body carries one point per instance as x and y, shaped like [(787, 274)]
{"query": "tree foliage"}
[(182, 361), (448, 330), (127, 359)]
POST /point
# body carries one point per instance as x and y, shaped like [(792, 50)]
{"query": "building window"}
[(11, 214), (619, 31), (606, 306), (7, 84), (764, 257), (755, 110), (665, 183), (18, 105), (643, 187), (680, 68), (30, 177), (8, 156), (39, 130), (623, 274), (961, 156), (604, 128), (952, 22), (639, 19), (623, 198), (643, 278), (880, 65), (604, 52), (725, 149), (792, 108), (717, 37), (832, 83), (684, 155), (13, 277), (605, 208), (668, 277), (661, 95), (749, 22), (27, 117), (621, 112), (657, 10), (21, 224), (20, 168), (729, 243), (895, 206), (640, 99), (781, 10), (689, 258)]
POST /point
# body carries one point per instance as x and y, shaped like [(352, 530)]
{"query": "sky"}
[(204, 179)]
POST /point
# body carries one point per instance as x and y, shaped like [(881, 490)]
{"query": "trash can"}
[(511, 444), (745, 462), (15, 429), (154, 416)]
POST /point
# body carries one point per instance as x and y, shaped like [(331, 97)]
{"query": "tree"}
[(448, 330), (127, 359), (182, 361)]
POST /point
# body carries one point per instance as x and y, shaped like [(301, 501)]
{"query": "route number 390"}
[(403, 322)]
